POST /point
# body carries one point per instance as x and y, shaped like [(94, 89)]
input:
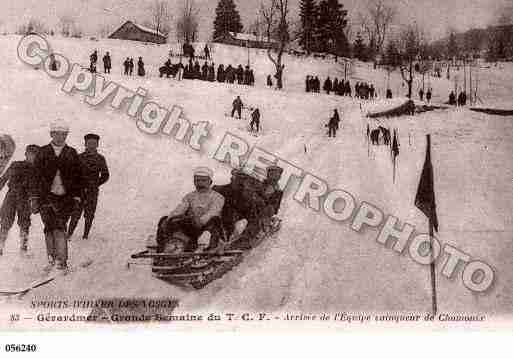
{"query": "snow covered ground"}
[(314, 264)]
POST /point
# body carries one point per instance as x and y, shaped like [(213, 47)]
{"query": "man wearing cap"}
[(197, 216), (16, 201), (56, 189), (96, 173), (241, 204)]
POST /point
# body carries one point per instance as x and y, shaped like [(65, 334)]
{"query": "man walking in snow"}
[(333, 124), (93, 59), (198, 216), (107, 64), (16, 201), (237, 107), (56, 189), (96, 173), (255, 120)]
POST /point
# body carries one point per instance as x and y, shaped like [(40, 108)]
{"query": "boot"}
[(23, 240), (72, 225), (88, 223), (51, 263), (61, 247)]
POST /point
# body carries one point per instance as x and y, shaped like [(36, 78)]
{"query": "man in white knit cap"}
[(197, 216), (56, 190)]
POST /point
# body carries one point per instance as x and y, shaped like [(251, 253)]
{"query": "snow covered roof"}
[(140, 27), (147, 29), (247, 37)]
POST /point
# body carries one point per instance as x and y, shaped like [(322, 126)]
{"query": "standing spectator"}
[(251, 78), (107, 63), (93, 59), (452, 98), (220, 73), (140, 67), (327, 85), (245, 76), (255, 121), (53, 63), (16, 200), (96, 173), (206, 50), (335, 87), (333, 124), (270, 81), (131, 66), (55, 191), (317, 85), (212, 73), (126, 65), (237, 107), (421, 94), (179, 73), (204, 71), (428, 95), (240, 74)]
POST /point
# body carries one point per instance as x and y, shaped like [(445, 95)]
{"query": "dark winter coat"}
[(140, 68), (94, 169), (240, 74), (18, 177), (327, 85), (334, 121), (46, 166), (255, 116), (237, 104), (106, 61), (220, 73)]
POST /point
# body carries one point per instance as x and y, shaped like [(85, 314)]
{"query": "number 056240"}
[(16, 348)]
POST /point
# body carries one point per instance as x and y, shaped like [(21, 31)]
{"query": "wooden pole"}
[(432, 271), (464, 76), (470, 87)]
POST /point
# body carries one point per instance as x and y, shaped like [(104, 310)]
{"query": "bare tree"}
[(33, 25), (274, 14), (257, 28), (160, 16), (410, 42), (376, 23), (187, 22)]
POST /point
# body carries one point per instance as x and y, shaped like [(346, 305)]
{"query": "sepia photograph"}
[(256, 165)]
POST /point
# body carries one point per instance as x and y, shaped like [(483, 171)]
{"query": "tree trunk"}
[(410, 81)]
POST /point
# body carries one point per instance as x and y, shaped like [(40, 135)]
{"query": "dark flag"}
[(425, 201), (395, 151), (425, 198)]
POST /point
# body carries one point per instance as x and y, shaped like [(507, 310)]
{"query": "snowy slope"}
[(314, 264)]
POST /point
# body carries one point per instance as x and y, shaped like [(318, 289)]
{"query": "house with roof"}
[(135, 32), (245, 40)]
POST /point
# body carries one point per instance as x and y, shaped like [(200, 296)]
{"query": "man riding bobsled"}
[(210, 219)]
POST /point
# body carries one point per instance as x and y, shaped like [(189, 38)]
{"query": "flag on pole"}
[(395, 151), (425, 198)]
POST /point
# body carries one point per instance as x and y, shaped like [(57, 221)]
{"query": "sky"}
[(437, 16)]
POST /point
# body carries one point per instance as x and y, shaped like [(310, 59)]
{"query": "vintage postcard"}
[(261, 165)]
